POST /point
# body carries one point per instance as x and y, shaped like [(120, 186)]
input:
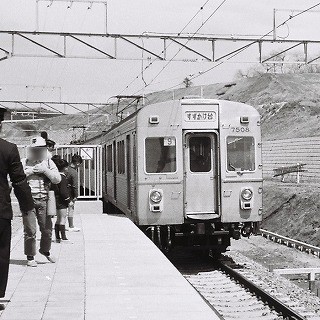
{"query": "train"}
[(187, 172)]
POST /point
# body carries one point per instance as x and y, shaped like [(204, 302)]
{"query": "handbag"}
[(51, 206)]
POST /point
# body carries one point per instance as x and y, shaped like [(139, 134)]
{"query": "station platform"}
[(109, 270)]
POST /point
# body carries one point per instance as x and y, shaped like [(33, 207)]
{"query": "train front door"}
[(200, 175)]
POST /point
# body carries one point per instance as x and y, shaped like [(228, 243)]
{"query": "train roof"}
[(187, 101)]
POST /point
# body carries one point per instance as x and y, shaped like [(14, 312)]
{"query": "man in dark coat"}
[(10, 166)]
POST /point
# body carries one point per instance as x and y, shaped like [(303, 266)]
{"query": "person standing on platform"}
[(50, 146), (44, 135), (41, 172), (10, 165), (62, 194), (50, 143), (73, 184)]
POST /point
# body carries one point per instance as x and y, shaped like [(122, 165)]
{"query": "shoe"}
[(48, 256), (32, 263), (2, 306), (74, 229)]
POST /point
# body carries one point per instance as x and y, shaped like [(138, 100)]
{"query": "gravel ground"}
[(274, 256), (257, 254), (269, 253)]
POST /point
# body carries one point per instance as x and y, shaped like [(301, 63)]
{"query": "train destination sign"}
[(199, 116)]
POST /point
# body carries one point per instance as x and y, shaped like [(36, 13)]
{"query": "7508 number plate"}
[(240, 129)]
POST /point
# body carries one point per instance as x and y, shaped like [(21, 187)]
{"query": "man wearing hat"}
[(41, 172), (50, 143), (10, 165), (50, 146)]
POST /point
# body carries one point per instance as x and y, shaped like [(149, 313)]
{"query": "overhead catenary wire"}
[(179, 33), (216, 65), (181, 48), (194, 76)]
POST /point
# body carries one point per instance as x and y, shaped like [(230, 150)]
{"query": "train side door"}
[(200, 165), (115, 170)]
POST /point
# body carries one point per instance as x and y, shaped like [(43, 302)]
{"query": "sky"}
[(96, 80)]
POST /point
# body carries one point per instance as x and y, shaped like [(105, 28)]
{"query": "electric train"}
[(188, 172)]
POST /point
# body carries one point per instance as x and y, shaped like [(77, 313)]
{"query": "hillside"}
[(288, 103), (292, 210), (260, 90)]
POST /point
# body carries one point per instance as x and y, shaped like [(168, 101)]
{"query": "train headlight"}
[(247, 194), (155, 196)]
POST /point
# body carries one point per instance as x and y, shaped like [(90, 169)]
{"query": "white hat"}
[(38, 142)]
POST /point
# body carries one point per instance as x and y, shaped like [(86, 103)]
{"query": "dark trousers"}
[(5, 241)]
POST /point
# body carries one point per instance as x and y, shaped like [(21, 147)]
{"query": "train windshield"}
[(200, 154), (241, 154), (160, 155)]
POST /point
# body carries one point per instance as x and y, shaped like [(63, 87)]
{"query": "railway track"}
[(230, 293), (281, 309)]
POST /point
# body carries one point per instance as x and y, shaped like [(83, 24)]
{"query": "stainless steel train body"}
[(187, 172)]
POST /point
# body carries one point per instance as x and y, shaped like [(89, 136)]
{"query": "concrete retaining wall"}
[(288, 152)]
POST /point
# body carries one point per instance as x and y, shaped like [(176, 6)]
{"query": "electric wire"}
[(250, 44), (181, 48), (149, 65)]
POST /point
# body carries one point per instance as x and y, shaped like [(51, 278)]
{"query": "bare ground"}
[(292, 210)]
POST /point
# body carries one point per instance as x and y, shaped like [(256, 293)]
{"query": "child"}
[(73, 183), (62, 200)]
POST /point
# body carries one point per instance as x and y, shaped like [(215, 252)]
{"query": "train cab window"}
[(240, 154), (200, 154), (160, 155)]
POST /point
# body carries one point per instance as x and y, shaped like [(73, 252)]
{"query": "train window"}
[(161, 155), (121, 157), (200, 154), (241, 154), (109, 158)]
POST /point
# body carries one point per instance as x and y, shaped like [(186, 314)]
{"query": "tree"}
[(277, 65), (253, 71), (187, 82)]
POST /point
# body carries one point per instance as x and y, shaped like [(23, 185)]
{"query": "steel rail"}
[(302, 246), (280, 307)]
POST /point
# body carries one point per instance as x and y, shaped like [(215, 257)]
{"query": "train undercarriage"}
[(203, 236)]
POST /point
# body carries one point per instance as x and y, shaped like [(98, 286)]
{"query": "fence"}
[(89, 173), (289, 152)]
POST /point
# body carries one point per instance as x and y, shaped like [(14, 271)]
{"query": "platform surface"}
[(109, 270)]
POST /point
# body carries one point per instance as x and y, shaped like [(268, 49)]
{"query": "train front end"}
[(201, 178)]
